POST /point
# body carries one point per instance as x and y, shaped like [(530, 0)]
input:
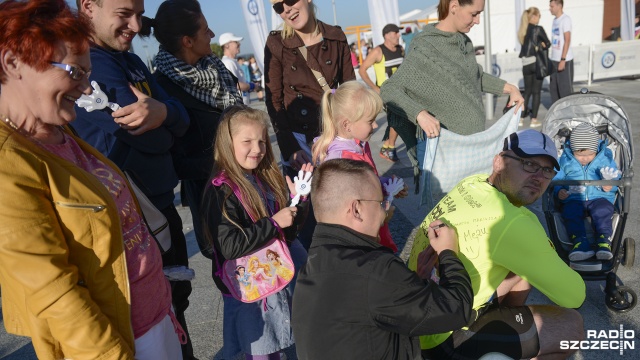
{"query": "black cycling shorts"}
[(507, 330)]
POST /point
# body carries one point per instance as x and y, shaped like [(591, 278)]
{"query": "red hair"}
[(33, 30)]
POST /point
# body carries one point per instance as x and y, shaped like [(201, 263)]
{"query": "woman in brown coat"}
[(293, 91)]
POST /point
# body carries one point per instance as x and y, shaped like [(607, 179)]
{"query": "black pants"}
[(532, 89), (193, 191), (306, 233), (561, 83), (180, 290)]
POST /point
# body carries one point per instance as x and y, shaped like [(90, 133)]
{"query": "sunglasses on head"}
[(279, 6)]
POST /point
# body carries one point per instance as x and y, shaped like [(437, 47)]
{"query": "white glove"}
[(98, 100), (393, 187), (609, 173), (577, 189), (303, 186)]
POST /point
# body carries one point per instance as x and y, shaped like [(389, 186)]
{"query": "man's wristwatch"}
[(563, 59)]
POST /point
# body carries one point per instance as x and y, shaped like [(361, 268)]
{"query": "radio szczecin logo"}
[(620, 340)]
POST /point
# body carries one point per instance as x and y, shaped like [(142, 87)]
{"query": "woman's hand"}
[(429, 124), (298, 159), (514, 96), (284, 218)]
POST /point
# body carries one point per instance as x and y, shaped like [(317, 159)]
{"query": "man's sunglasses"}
[(279, 6)]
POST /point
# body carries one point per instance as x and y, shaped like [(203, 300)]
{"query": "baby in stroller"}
[(586, 157)]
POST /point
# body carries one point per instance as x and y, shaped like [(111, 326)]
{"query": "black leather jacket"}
[(355, 299), (534, 37), (231, 242)]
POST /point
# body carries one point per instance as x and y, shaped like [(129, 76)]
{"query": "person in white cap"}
[(506, 251), (230, 44), (586, 157)]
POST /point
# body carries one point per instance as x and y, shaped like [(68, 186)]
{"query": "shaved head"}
[(338, 182)]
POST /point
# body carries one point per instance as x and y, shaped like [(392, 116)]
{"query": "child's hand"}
[(403, 193), (563, 194), (394, 186), (284, 218), (606, 188), (304, 176), (609, 173)]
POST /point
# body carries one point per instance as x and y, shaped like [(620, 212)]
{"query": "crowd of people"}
[(84, 276)]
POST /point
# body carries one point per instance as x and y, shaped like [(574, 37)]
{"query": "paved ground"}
[(205, 313)]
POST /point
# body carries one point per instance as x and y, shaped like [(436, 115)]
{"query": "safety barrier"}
[(591, 62)]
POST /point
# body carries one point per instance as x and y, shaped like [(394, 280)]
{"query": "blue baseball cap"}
[(531, 143)]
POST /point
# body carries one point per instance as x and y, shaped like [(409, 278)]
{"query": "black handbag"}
[(542, 63)]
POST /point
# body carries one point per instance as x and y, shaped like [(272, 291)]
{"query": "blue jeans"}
[(600, 210)]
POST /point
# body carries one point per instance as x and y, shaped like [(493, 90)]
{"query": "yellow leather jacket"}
[(63, 270)]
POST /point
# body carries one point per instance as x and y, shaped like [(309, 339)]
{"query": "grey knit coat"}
[(441, 75)]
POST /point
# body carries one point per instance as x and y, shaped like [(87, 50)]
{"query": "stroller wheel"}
[(623, 299), (629, 255)]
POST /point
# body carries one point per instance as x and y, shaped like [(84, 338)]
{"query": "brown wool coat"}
[(292, 92)]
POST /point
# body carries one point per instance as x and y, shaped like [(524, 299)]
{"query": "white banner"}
[(504, 24), (255, 18), (616, 59), (627, 21), (581, 63), (276, 21), (508, 66), (520, 8), (381, 13)]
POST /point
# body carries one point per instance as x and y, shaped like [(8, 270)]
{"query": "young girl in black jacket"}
[(246, 184)]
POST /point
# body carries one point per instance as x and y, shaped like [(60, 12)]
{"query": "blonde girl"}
[(531, 37), (348, 121), (246, 184)]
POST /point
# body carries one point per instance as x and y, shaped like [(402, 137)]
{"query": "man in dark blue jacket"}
[(138, 136), (354, 298)]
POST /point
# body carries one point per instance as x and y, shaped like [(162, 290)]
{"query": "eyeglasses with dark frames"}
[(75, 72), (533, 167), (384, 204), (279, 6)]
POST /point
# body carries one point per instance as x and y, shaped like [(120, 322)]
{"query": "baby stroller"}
[(612, 123)]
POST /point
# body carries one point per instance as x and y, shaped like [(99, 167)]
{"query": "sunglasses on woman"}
[(279, 6)]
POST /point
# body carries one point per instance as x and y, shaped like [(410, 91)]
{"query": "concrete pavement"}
[(204, 315)]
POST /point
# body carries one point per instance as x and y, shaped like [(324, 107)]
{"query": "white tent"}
[(429, 13), (587, 16)]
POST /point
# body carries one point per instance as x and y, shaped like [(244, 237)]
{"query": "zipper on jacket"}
[(585, 170), (92, 207)]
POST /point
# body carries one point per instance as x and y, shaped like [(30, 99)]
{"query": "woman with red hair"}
[(75, 254)]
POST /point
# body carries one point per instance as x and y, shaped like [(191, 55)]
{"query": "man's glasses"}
[(384, 204), (532, 167), (279, 6), (75, 72)]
